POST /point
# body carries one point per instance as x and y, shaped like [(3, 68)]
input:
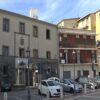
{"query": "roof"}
[(88, 15), (30, 18), (68, 19), (84, 17), (97, 11)]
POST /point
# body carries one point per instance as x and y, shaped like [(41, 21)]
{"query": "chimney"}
[(34, 13)]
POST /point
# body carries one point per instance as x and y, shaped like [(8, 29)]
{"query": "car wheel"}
[(39, 92), (50, 94), (71, 90)]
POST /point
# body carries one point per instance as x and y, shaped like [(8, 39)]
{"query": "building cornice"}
[(68, 19), (75, 31), (26, 17), (78, 64), (78, 48)]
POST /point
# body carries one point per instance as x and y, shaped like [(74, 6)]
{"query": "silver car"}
[(70, 85)]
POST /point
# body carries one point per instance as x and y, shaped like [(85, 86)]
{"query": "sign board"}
[(62, 61), (21, 61)]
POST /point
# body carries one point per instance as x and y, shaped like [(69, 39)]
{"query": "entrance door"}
[(67, 74)]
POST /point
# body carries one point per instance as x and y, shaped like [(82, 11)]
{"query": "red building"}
[(77, 53)]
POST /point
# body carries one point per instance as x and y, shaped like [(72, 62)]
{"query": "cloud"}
[(52, 10)]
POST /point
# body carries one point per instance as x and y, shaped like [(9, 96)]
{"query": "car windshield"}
[(51, 83)]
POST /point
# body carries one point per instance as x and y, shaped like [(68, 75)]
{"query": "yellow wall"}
[(85, 22), (69, 23), (61, 24), (98, 26)]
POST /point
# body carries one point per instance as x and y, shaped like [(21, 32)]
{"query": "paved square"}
[(90, 96)]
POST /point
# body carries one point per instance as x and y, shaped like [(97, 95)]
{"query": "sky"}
[(52, 11)]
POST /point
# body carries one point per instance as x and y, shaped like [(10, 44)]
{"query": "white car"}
[(49, 86)]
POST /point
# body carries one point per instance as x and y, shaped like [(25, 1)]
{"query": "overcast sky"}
[(52, 10)]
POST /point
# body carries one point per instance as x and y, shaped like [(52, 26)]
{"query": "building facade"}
[(92, 22), (68, 23), (77, 53), (87, 22), (19, 34)]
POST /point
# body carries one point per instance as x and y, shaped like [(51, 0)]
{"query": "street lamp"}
[(28, 92), (74, 67)]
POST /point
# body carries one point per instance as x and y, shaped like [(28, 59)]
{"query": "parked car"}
[(89, 81), (50, 86), (5, 85), (97, 81), (70, 85)]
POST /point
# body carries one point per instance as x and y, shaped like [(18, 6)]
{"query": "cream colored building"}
[(19, 33), (92, 22), (87, 22), (68, 23)]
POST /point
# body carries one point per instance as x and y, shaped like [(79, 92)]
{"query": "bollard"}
[(5, 96), (93, 87), (48, 94), (61, 93), (85, 88)]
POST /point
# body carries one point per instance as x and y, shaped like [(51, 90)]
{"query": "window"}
[(5, 25), (78, 73), (22, 28), (5, 51), (21, 52), (35, 31), (48, 54), (5, 70), (48, 34), (21, 41), (35, 53)]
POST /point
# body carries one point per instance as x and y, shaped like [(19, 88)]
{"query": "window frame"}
[(22, 27), (35, 51), (23, 54), (6, 50), (48, 54), (48, 36), (6, 25), (35, 31)]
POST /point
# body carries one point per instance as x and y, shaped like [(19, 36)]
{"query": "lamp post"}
[(28, 91), (73, 53), (63, 62), (93, 62)]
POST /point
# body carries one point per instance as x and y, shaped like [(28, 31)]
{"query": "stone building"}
[(20, 35)]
